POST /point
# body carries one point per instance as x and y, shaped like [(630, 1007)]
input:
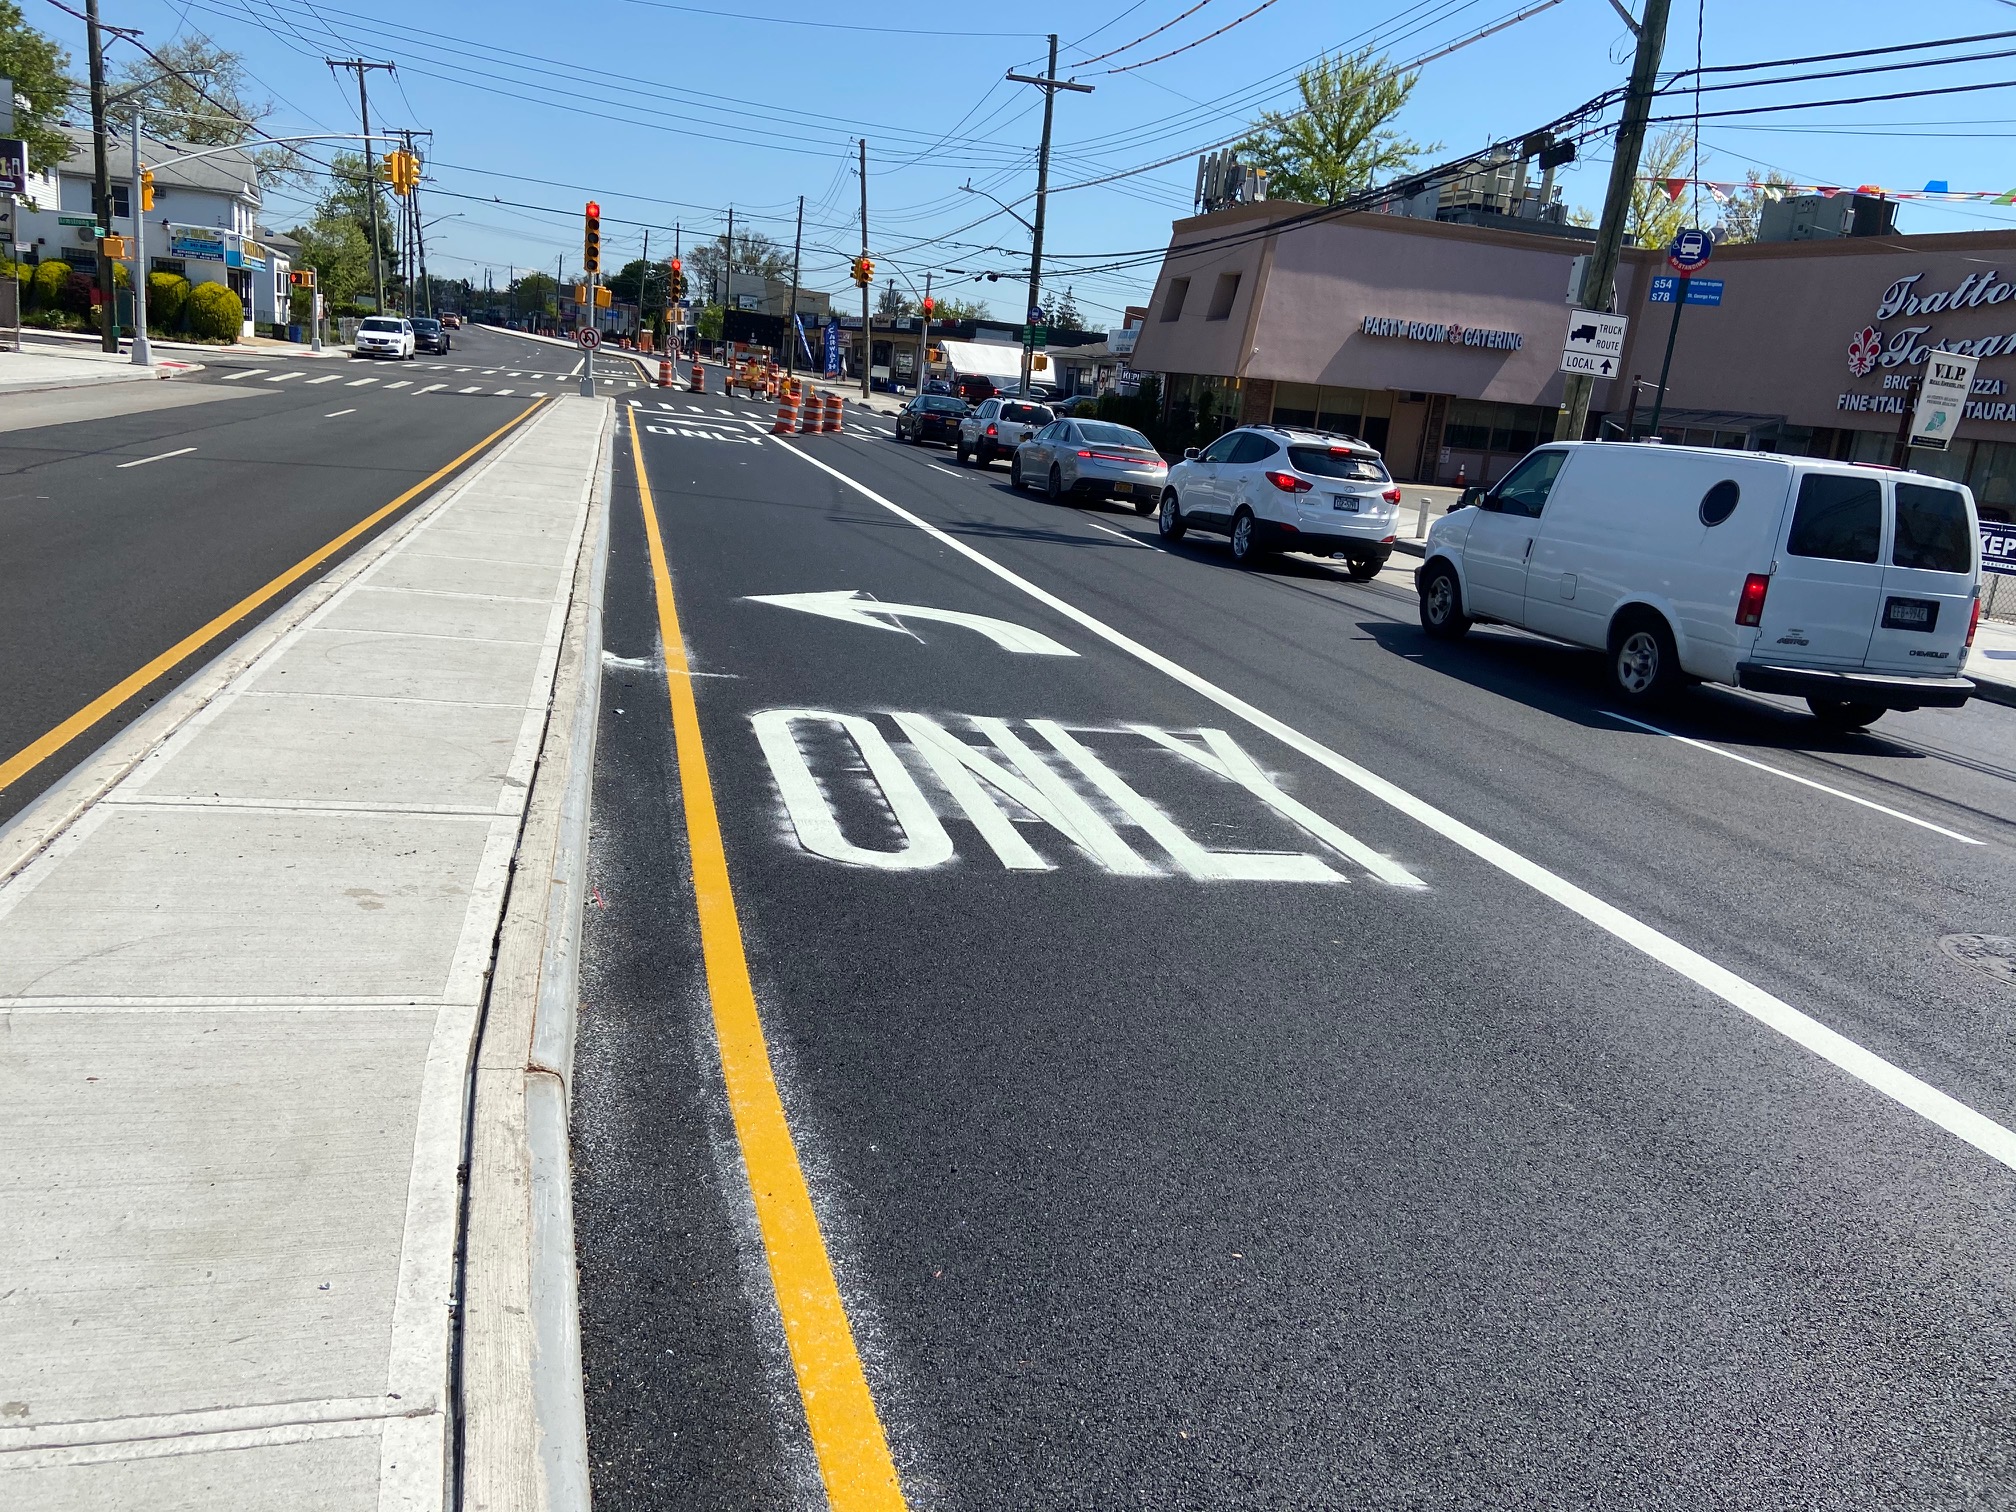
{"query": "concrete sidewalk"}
[(31, 371), (1992, 662), (240, 994)]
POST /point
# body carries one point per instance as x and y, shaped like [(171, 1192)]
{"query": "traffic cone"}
[(665, 371), (699, 379), (830, 421), (787, 415), (808, 423)]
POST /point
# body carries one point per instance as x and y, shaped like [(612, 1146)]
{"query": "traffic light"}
[(864, 271), (146, 188), (302, 278), (604, 297), (580, 294), (591, 238), (115, 247), (677, 288), (929, 306)]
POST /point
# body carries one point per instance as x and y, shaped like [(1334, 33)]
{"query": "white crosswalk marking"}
[(430, 388), (502, 393), (538, 393), (489, 372), (282, 377), (359, 382), (465, 370), (242, 373), (474, 388), (402, 383), (325, 378)]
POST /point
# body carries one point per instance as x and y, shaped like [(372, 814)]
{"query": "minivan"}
[(1854, 587)]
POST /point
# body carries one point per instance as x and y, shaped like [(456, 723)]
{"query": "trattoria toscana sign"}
[(1907, 346)]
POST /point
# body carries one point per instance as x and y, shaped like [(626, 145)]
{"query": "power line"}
[(1208, 37), (1123, 47)]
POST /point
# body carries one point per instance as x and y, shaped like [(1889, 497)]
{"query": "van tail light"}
[(1750, 606), (1391, 496), (1974, 620), (1289, 483)]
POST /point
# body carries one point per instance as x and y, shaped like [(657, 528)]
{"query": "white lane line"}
[(1129, 539), (325, 378), (334, 413), (1921, 1097), (945, 470), (430, 388), (474, 388), (282, 377), (161, 457), (241, 373), (1702, 745), (359, 382)]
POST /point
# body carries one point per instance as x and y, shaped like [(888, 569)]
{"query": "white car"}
[(385, 336), (1854, 587), (1278, 488), (1073, 459), (998, 426)]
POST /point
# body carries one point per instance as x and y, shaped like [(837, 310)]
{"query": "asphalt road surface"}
[(1242, 1054), (131, 516)]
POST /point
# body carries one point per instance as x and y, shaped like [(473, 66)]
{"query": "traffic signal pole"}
[(143, 355), (1049, 84), (1601, 274), (791, 315), (867, 329)]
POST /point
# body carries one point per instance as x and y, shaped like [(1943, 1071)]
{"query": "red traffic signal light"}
[(591, 239), (929, 306), (676, 265), (594, 210)]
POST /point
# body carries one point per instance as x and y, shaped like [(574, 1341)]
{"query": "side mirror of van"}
[(1190, 454), (1471, 497)]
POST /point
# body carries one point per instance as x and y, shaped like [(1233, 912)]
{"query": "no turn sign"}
[(588, 337)]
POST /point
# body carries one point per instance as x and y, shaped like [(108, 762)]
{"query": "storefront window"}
[(1295, 403)]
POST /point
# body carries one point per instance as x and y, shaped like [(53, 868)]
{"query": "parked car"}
[(1854, 587), (931, 417), (384, 336), (1092, 458), (1277, 488), (431, 336), (998, 426), (1076, 405)]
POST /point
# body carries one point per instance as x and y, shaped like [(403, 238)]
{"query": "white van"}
[(1856, 588)]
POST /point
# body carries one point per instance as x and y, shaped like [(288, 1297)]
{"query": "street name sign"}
[(1700, 291), (1595, 343), (1942, 399)]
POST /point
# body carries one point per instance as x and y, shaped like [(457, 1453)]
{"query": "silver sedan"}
[(1070, 458)]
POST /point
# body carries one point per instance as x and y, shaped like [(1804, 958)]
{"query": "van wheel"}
[(1836, 714), (1644, 666), (1442, 613), (1170, 520), (1245, 539)]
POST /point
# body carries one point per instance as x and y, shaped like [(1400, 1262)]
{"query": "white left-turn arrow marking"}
[(850, 607)]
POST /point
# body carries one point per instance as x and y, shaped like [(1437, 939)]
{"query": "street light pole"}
[(143, 355), (1049, 84)]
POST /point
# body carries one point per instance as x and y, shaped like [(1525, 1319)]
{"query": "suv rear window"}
[(1027, 414), (1932, 531), (1840, 519), (1323, 462), (379, 323)]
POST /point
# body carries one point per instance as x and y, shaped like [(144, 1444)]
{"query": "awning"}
[(992, 360)]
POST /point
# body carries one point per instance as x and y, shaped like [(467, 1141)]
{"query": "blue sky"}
[(668, 113)]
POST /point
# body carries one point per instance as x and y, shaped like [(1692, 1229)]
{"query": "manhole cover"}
[(1994, 954)]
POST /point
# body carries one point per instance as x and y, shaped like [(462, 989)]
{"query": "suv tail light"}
[(1391, 496), (991, 431), (1750, 607), (1974, 619), (1289, 483)]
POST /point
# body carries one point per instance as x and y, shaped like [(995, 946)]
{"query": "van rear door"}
[(1929, 581), (1822, 604)]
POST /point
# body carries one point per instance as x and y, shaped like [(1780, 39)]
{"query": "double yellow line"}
[(840, 1412), (48, 744)]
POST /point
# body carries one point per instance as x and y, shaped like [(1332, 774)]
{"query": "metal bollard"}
[(1421, 518)]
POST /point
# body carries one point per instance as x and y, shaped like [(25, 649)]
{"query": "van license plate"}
[(1344, 501), (1910, 614)]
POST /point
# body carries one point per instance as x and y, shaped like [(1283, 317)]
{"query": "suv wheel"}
[(965, 456), (1836, 714), (1170, 520), (1644, 666), (1245, 538), (1363, 569), (1442, 613)]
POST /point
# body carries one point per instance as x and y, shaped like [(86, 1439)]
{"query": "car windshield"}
[(1336, 462), (380, 323), (1027, 414), (1104, 433)]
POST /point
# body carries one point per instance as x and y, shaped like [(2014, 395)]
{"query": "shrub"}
[(78, 292), (167, 298), (215, 313), (45, 289)]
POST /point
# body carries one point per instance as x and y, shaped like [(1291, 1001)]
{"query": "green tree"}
[(533, 294), (42, 86), (1062, 312), (625, 283), (754, 253), (709, 323), (336, 248), (348, 198), (197, 93), (1740, 217), (892, 302), (959, 309), (1340, 139), (1657, 216)]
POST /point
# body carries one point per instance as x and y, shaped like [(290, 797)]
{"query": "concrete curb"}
[(1994, 692), (29, 832)]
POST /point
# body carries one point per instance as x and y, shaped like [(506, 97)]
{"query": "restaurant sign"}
[(1437, 331)]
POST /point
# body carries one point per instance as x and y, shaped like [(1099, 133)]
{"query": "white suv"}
[(385, 336), (998, 426), (1275, 488)]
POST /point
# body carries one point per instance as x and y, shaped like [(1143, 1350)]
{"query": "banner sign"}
[(200, 242), (832, 349), (1998, 547), (1942, 397), (13, 166)]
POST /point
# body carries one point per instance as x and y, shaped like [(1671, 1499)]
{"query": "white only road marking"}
[(160, 457), (851, 607), (402, 383), (430, 388), (690, 433), (502, 393), (1894, 1082), (474, 388), (325, 378), (359, 382), (241, 373), (1702, 745), (692, 408), (282, 377), (730, 414), (334, 413), (537, 394), (1130, 540), (945, 470)]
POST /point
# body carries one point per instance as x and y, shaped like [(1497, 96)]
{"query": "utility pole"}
[(1601, 273), (101, 184), (727, 281), (143, 355), (643, 280), (791, 315), (559, 276), (867, 327), (370, 167), (1049, 84), (924, 340)]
